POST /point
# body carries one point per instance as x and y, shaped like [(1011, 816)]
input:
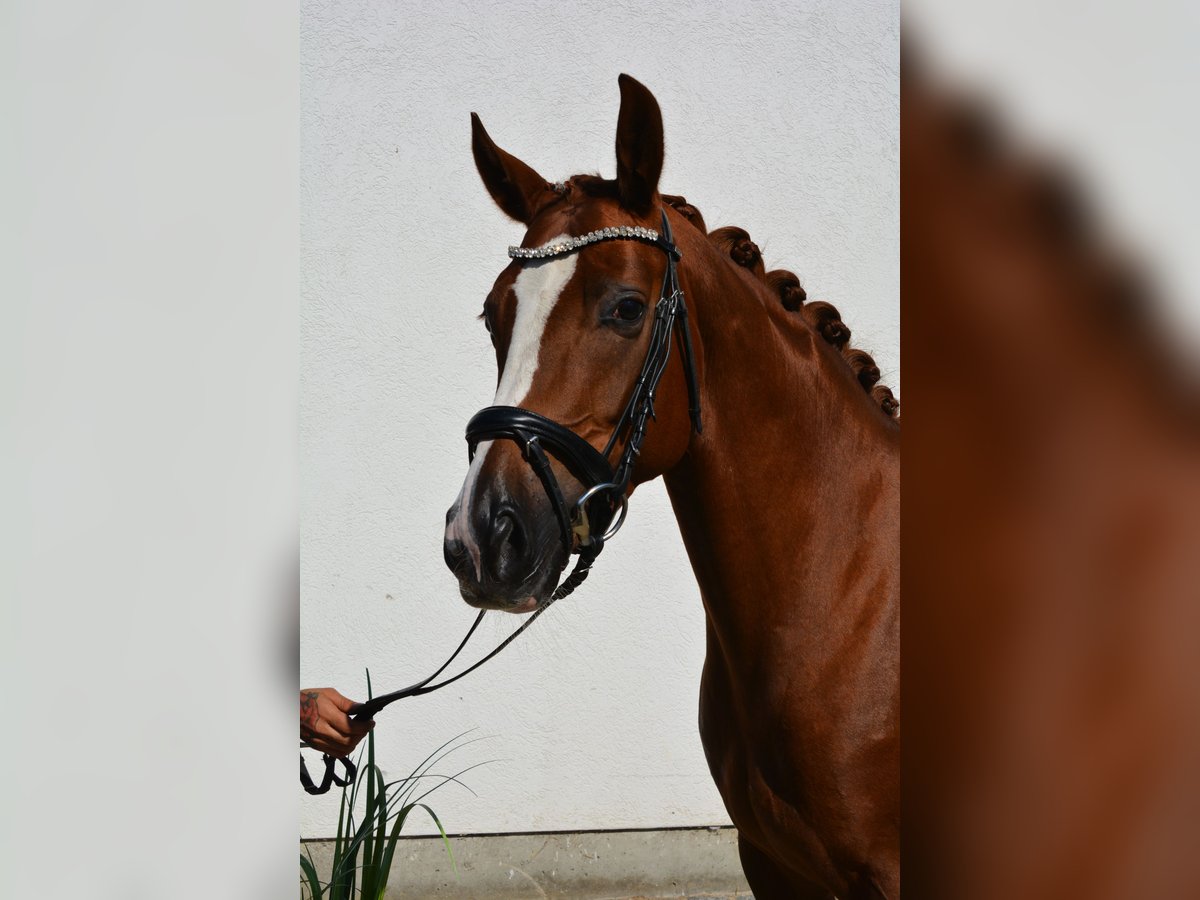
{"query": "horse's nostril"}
[(506, 529), (503, 526), (507, 546), (456, 555)]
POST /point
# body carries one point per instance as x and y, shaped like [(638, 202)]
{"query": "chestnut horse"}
[(788, 499)]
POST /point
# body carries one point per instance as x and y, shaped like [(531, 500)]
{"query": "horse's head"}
[(571, 332)]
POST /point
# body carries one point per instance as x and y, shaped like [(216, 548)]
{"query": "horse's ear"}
[(639, 145), (516, 188)]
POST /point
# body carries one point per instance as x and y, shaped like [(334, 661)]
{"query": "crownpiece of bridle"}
[(598, 514)]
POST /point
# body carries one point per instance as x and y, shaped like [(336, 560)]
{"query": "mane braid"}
[(823, 317), (735, 243)]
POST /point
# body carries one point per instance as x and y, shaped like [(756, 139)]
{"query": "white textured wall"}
[(780, 117)]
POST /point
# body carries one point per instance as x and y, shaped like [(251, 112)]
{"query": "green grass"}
[(365, 845)]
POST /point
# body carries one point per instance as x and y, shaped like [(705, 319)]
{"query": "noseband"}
[(598, 514), (600, 510)]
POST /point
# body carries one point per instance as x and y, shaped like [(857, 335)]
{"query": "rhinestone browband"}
[(571, 244)]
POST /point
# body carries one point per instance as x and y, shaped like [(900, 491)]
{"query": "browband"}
[(563, 246)]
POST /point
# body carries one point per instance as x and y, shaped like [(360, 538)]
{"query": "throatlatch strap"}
[(685, 335)]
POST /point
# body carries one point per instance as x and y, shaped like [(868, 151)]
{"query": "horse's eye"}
[(628, 309)]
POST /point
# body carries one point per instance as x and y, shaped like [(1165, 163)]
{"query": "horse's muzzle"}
[(510, 560)]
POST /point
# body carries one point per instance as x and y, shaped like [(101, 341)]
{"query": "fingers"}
[(338, 717), (351, 729), (333, 716), (334, 741), (335, 746), (325, 725)]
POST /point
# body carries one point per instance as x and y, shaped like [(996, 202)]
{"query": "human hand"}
[(325, 725)]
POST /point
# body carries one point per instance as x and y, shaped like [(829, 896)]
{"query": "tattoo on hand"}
[(308, 710)]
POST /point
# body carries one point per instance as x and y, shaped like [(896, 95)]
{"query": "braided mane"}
[(822, 316), (735, 243)]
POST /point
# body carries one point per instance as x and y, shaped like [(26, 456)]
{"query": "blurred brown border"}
[(1051, 535)]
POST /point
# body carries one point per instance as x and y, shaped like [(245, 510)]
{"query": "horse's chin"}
[(518, 605), (524, 595), (528, 605)]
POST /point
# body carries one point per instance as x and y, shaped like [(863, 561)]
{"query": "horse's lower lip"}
[(479, 601), (529, 604)]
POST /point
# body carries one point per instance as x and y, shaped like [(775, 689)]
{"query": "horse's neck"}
[(789, 501)]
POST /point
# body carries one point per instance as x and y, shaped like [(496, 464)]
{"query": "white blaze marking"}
[(537, 289)]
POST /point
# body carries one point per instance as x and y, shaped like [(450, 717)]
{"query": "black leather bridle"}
[(589, 522), (598, 514)]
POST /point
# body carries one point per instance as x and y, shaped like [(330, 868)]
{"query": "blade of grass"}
[(380, 815), (454, 777), (433, 759), (429, 760), (344, 872), (400, 798), (310, 859), (337, 844), (371, 836), (393, 839), (444, 779), (350, 854), (314, 883), (445, 840), (371, 774), (354, 788), (348, 867), (369, 813), (335, 893), (401, 816)]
